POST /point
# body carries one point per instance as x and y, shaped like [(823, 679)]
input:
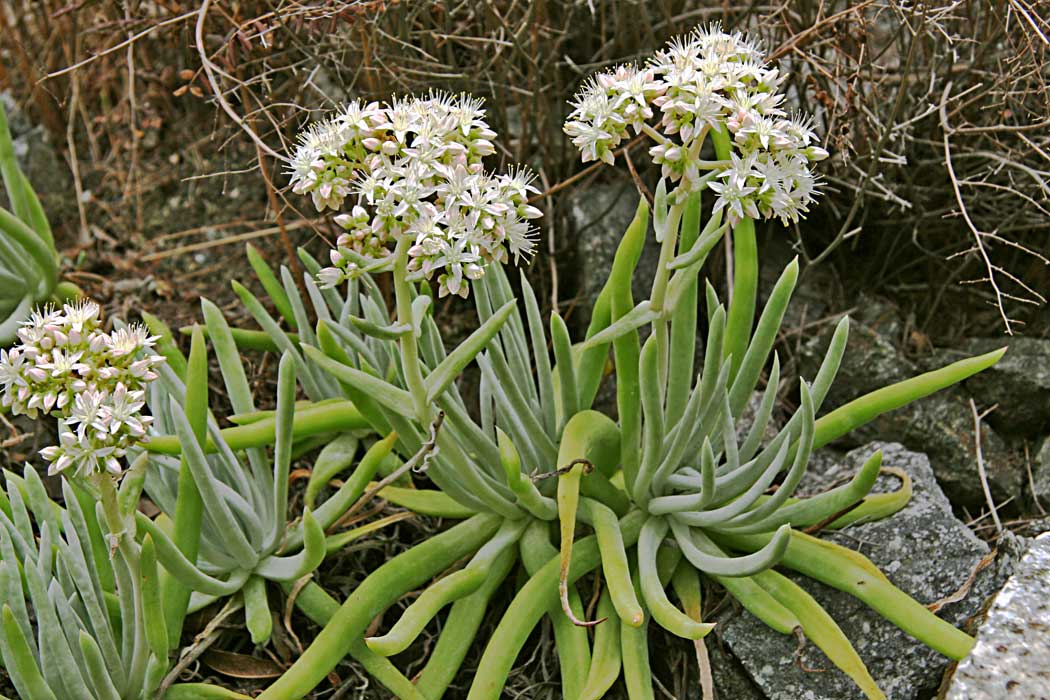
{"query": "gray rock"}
[(1019, 383), (1012, 657), (598, 216), (41, 163), (923, 549), (815, 288), (1041, 477), (731, 679), (940, 425)]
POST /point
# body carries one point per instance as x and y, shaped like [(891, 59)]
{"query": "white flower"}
[(92, 381), (521, 238), (596, 124), (11, 372), (765, 131), (708, 80), (122, 411), (413, 167), (733, 197), (86, 410), (130, 340), (330, 277)]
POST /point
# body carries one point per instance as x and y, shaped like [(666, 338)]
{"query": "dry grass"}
[(938, 114), (175, 115)]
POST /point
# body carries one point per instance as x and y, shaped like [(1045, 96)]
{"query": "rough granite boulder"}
[(1012, 658), (923, 549), (1041, 477), (1019, 384), (598, 217), (941, 425), (41, 163)]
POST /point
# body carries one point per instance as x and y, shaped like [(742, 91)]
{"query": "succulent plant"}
[(243, 537), (696, 503), (672, 489), (81, 619), (28, 259)]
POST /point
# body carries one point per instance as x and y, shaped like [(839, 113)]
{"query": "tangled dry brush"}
[(937, 115)]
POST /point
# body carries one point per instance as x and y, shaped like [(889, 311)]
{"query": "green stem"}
[(627, 348), (248, 339), (574, 653), (860, 411), (615, 567), (855, 574), (663, 611), (605, 661), (461, 626), (123, 541), (46, 266), (589, 439), (201, 691), (820, 628), (449, 589), (634, 654), (683, 322), (745, 275), (189, 507), (314, 602), (667, 252), (409, 342), (257, 617), (659, 291), (328, 417), (381, 589), (745, 291), (532, 602)]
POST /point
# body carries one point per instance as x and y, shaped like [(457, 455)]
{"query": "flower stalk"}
[(409, 340), (189, 508)]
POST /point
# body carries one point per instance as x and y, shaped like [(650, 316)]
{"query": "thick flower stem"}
[(745, 292), (189, 508), (122, 543), (408, 342), (745, 275)]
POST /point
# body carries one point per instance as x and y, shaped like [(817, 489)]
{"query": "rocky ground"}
[(944, 547)]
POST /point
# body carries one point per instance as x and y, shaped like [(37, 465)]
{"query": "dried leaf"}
[(235, 665)]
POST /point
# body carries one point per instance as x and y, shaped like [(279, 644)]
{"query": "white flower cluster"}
[(93, 381), (707, 81), (413, 168)]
